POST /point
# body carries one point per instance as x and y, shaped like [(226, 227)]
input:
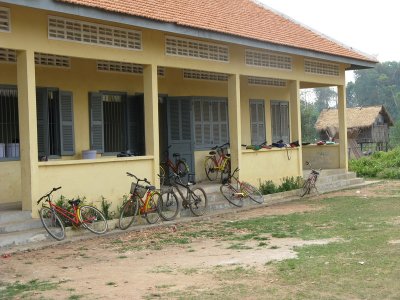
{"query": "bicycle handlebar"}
[(48, 194), (138, 179), (222, 146)]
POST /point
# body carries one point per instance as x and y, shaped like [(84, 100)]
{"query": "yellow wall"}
[(270, 164), (10, 182), (94, 178), (324, 156)]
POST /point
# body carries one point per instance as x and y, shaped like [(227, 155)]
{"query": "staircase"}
[(17, 227)]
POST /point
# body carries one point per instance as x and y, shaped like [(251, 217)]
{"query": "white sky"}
[(369, 26)]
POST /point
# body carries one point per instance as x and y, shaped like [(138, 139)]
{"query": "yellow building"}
[(139, 75)]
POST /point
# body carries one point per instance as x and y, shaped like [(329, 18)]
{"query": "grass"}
[(360, 263), (25, 290)]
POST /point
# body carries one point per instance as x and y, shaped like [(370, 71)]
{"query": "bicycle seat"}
[(228, 155), (74, 202), (151, 187), (315, 172), (212, 152), (176, 155)]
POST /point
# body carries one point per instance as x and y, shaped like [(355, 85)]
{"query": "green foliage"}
[(26, 290), (385, 165), (105, 209), (288, 184)]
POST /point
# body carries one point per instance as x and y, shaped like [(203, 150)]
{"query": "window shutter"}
[(135, 128), (284, 109), (257, 122), (67, 123), (280, 121), (42, 121), (96, 122)]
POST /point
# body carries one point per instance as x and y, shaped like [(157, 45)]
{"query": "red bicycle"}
[(86, 215), (179, 167), (218, 161)]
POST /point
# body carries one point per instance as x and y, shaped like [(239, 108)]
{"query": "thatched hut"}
[(364, 125)]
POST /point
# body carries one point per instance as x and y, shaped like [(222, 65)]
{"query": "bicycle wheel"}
[(52, 223), (168, 206), (151, 214), (210, 168), (306, 188), (198, 202), (92, 219), (182, 168), (231, 194), (252, 192), (128, 213)]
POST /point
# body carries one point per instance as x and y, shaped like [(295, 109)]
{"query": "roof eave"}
[(54, 6)]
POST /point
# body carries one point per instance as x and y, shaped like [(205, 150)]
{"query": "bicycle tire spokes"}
[(52, 223), (92, 219), (198, 202)]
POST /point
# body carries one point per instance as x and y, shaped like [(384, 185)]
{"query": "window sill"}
[(269, 150), (99, 160)]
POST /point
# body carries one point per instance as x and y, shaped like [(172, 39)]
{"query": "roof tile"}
[(243, 18)]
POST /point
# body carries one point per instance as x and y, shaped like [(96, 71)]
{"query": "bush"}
[(268, 187), (288, 184), (105, 208), (378, 165)]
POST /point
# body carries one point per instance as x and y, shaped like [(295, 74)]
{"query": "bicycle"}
[(180, 166), (236, 192), (217, 161), (86, 215), (309, 184), (195, 199), (143, 200)]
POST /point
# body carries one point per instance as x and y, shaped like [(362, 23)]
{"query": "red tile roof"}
[(243, 18)]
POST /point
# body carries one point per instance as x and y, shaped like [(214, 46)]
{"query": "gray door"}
[(180, 129)]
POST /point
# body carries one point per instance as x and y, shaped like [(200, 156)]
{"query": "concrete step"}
[(14, 216), (20, 225), (8, 240)]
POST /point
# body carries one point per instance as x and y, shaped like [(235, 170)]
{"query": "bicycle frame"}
[(143, 204), (73, 217), (221, 161), (243, 193)]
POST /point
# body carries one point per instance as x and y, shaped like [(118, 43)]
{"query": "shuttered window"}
[(257, 122), (280, 121), (55, 122), (9, 127), (210, 122), (116, 123)]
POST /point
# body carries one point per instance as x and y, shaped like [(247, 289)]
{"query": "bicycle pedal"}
[(238, 194), (185, 204)]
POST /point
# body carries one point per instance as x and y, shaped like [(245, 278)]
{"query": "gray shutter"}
[(67, 123), (257, 122), (284, 111), (135, 124), (96, 122), (42, 121), (275, 120)]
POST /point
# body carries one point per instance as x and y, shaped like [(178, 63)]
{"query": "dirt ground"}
[(131, 265)]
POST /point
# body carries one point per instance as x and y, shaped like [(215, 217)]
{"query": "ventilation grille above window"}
[(320, 68), (5, 19), (267, 81), (43, 59), (8, 55), (196, 49), (91, 33), (201, 75), (268, 60), (121, 67)]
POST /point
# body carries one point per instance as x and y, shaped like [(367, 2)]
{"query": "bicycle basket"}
[(140, 190)]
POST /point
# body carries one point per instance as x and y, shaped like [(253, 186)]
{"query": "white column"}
[(27, 128), (343, 158), (151, 117), (235, 122)]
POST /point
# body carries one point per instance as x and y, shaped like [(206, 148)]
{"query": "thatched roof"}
[(357, 117)]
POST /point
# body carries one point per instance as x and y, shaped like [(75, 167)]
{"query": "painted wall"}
[(270, 164), (10, 181), (324, 156)]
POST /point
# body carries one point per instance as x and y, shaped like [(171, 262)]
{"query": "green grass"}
[(25, 290)]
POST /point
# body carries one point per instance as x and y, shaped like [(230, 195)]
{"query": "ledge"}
[(269, 150), (100, 160)]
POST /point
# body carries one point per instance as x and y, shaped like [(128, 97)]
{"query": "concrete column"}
[(151, 117), (343, 158), (295, 119), (235, 122), (28, 128)]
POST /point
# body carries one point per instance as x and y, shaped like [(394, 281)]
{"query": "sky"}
[(369, 26)]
